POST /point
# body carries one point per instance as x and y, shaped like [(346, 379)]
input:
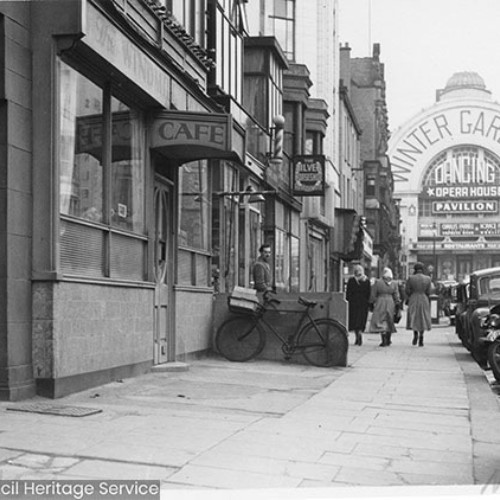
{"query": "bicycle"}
[(322, 341)]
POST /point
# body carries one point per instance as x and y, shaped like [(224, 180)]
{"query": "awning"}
[(190, 136)]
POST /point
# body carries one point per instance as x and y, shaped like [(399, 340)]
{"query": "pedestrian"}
[(358, 296), (418, 290), (262, 278), (385, 301)]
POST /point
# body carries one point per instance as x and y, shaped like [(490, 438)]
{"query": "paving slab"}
[(395, 417)]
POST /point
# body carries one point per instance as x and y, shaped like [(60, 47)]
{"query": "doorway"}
[(164, 349)]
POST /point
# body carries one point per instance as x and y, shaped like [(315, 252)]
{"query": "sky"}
[(422, 44)]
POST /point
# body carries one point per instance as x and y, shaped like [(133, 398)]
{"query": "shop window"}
[(287, 248), (101, 187), (194, 224)]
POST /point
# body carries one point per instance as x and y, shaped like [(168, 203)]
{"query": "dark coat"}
[(358, 295)]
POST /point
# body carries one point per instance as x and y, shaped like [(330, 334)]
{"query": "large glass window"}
[(127, 168), (228, 47), (283, 24), (101, 181), (194, 224), (287, 248), (80, 146)]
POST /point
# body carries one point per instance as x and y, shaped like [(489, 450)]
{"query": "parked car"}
[(474, 300)]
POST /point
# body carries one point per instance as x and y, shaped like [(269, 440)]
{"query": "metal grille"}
[(48, 409)]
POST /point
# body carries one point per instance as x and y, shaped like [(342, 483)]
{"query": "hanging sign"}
[(309, 175)]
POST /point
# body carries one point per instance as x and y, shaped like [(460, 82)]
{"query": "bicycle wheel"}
[(324, 344), (239, 339)]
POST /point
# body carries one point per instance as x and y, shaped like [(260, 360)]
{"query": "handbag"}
[(397, 315)]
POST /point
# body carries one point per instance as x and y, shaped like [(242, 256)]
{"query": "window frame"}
[(104, 230)]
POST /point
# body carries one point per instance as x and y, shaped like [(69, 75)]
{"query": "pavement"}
[(397, 421)]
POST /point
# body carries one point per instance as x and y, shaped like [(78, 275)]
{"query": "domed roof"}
[(465, 80)]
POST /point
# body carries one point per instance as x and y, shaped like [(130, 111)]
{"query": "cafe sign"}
[(309, 175), (189, 136)]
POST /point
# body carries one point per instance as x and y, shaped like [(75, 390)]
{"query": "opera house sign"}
[(446, 168)]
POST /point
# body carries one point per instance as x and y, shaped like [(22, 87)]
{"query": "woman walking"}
[(385, 299), (418, 289), (358, 296)]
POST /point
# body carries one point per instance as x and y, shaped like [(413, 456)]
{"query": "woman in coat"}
[(358, 295), (385, 299), (418, 289)]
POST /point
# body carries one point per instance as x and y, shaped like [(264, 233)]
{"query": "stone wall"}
[(80, 328), (193, 321)]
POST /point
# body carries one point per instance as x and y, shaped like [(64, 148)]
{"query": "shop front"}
[(125, 160)]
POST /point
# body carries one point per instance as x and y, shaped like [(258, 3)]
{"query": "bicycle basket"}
[(243, 301)]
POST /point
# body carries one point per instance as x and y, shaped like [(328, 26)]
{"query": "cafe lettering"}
[(189, 135), (181, 132)]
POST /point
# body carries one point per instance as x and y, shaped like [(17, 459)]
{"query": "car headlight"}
[(494, 320)]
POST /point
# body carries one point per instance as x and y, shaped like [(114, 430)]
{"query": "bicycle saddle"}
[(307, 303)]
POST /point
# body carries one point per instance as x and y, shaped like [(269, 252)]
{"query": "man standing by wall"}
[(262, 270)]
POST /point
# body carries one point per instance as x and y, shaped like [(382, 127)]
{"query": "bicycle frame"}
[(288, 344)]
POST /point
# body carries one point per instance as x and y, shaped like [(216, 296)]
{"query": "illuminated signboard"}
[(462, 180)]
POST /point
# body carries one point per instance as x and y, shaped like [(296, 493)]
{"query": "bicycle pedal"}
[(288, 358)]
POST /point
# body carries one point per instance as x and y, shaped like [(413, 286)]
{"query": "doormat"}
[(50, 409)]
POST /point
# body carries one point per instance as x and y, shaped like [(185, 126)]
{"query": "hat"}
[(387, 273), (418, 266)]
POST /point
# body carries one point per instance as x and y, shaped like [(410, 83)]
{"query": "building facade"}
[(364, 81), (446, 163), (307, 32), (144, 161)]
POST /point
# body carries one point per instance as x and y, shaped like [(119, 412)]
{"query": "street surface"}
[(396, 421)]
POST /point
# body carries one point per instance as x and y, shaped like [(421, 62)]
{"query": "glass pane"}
[(280, 8), (279, 263), (255, 235), (254, 98), (80, 145), (178, 11), (294, 264), (127, 172), (194, 205)]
